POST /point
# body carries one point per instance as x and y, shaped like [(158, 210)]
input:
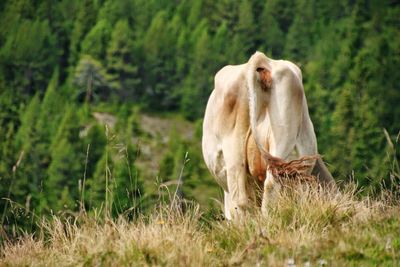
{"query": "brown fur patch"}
[(230, 101), (258, 164), (293, 170), (265, 78)]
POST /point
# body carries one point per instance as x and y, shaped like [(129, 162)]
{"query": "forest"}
[(79, 79)]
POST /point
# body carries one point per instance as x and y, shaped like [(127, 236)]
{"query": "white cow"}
[(256, 116)]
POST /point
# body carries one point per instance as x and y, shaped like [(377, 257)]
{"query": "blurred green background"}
[(101, 101)]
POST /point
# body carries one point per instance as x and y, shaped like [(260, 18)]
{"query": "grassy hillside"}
[(308, 226)]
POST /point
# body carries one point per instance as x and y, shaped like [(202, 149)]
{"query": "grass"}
[(308, 226)]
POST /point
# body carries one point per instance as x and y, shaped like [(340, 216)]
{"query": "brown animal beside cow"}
[(255, 122)]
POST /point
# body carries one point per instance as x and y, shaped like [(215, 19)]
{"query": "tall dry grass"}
[(308, 226)]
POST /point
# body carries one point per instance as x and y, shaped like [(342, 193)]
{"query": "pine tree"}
[(8, 167), (14, 11), (28, 120), (91, 80), (99, 185), (159, 70), (343, 133), (66, 169), (86, 19), (64, 172), (50, 110), (299, 38), (244, 39), (121, 63), (220, 52), (195, 14), (94, 142), (29, 177), (368, 148), (167, 164), (196, 87), (128, 188), (96, 41), (219, 12), (133, 128), (271, 36), (113, 11), (28, 54)]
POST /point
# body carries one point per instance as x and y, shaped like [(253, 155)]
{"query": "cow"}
[(256, 118)]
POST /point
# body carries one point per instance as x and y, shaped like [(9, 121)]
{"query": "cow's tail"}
[(259, 81)]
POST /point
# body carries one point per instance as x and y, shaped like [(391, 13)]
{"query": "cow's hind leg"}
[(236, 176), (281, 148), (307, 146), (271, 189), (227, 206)]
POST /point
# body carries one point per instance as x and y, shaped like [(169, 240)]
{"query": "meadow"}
[(308, 226)]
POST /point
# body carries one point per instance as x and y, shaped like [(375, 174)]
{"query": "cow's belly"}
[(214, 159)]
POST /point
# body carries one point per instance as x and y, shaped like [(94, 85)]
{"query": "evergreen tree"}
[(28, 179), (113, 11), (96, 41), (159, 70), (167, 164), (244, 40), (197, 88), (28, 54), (128, 188), (219, 12), (94, 142), (121, 63), (99, 185), (50, 111), (195, 13), (8, 167), (271, 36), (64, 172), (368, 147), (66, 169), (343, 132), (13, 12), (86, 19), (299, 37), (91, 79), (133, 128), (28, 120), (220, 52)]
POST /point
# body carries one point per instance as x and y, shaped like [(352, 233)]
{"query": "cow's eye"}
[(260, 69)]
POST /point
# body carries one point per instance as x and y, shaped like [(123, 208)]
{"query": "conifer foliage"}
[(63, 61)]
